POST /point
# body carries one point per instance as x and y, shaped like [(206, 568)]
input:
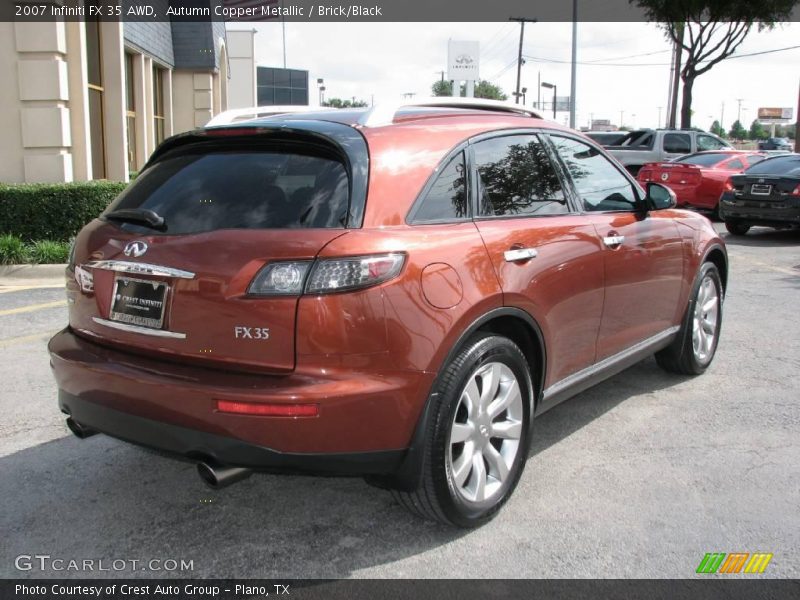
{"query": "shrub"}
[(12, 250), (53, 211), (48, 252)]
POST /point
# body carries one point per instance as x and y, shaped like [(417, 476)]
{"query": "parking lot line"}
[(26, 338), (5, 289), (32, 307)]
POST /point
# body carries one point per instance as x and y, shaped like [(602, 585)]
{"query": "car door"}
[(547, 257), (642, 252)]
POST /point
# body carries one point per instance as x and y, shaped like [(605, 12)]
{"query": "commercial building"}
[(91, 100)]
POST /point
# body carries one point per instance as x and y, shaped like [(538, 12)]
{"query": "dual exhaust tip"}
[(214, 475)]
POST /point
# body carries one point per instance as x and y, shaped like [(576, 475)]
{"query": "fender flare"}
[(406, 478)]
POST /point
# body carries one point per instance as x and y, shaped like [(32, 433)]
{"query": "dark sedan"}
[(767, 194)]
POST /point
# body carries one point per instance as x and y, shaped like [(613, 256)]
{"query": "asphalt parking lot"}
[(638, 477)]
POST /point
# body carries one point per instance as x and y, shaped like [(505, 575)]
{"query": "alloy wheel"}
[(485, 433), (706, 319)]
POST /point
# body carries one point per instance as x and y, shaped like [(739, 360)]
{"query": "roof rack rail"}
[(383, 114), (238, 115)]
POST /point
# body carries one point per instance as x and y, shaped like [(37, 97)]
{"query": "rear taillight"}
[(728, 186), (325, 276), (796, 191), (267, 410)]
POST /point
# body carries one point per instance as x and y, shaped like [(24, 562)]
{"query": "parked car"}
[(698, 179), (606, 138), (394, 293), (767, 194), (660, 145), (776, 143)]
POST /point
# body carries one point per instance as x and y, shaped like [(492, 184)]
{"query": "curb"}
[(19, 275)]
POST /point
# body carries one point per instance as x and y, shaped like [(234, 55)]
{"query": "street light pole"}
[(574, 74), (521, 21), (552, 86)]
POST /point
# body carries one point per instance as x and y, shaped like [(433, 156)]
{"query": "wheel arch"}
[(717, 255), (514, 323)]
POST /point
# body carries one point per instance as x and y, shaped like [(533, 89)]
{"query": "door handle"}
[(517, 254), (613, 240)]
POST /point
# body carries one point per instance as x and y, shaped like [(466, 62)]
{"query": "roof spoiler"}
[(383, 114)]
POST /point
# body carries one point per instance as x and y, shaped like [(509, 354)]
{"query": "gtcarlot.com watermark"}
[(45, 562)]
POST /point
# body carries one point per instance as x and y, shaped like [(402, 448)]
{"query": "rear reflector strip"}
[(268, 410)]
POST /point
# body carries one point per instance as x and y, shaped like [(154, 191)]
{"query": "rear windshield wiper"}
[(142, 216)]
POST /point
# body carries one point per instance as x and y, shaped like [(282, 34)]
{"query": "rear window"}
[(781, 165), (200, 190), (703, 160)]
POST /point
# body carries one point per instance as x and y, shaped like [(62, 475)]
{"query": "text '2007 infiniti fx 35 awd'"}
[(394, 294)]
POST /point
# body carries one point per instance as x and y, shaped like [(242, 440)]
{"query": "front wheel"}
[(477, 437), (694, 348), (736, 228)]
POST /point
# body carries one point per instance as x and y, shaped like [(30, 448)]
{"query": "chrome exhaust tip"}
[(80, 431), (218, 476)]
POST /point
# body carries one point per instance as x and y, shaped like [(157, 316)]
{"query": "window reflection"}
[(516, 177), (599, 184)]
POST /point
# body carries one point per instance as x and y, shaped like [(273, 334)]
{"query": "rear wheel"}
[(737, 228), (694, 348), (477, 437)]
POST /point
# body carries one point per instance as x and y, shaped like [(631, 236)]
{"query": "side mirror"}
[(660, 197)]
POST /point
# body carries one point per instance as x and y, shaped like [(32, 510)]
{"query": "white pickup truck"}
[(659, 145)]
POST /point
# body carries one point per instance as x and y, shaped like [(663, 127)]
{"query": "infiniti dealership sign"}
[(462, 61)]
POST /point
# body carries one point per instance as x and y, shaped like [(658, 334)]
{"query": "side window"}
[(751, 160), (516, 177), (735, 165), (599, 183), (447, 198), (706, 142), (677, 143)]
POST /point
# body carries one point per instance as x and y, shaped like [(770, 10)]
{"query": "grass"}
[(13, 251)]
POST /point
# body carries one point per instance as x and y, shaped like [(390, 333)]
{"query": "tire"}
[(693, 349), (467, 473), (737, 228)]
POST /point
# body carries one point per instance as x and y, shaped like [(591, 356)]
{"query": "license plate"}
[(758, 189), (139, 302)]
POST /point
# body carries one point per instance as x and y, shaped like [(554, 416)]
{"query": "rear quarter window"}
[(197, 190)]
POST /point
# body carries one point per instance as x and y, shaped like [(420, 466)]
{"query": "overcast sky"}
[(389, 59)]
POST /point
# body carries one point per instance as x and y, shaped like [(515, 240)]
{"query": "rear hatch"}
[(230, 207)]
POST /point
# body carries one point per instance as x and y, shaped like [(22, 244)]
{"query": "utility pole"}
[(739, 113), (574, 73), (521, 21), (441, 73)]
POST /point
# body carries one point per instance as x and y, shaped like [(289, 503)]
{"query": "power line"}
[(605, 64)]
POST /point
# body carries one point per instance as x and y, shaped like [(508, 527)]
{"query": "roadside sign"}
[(463, 59)]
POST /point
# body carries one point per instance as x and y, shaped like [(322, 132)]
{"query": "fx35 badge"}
[(251, 333)]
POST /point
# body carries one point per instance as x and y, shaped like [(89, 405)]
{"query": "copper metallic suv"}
[(394, 293)]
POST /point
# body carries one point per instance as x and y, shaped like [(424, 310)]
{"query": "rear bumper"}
[(772, 214), (366, 419), (194, 445)]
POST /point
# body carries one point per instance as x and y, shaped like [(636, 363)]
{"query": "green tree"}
[(738, 132), (757, 131), (339, 103), (709, 31), (717, 129), (442, 88), (483, 89)]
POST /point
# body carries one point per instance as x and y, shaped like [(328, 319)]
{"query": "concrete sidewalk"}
[(30, 276)]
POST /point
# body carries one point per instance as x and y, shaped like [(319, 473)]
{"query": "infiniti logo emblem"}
[(135, 249)]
